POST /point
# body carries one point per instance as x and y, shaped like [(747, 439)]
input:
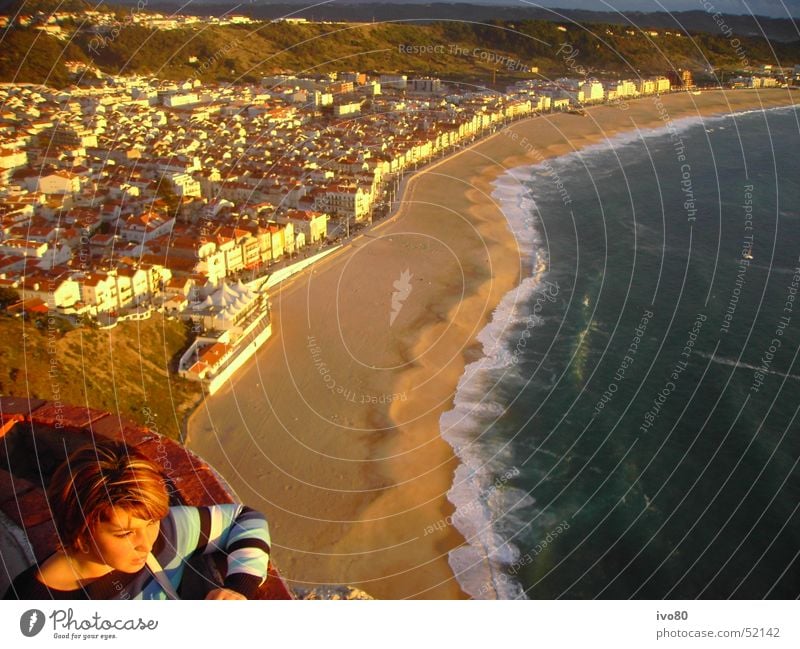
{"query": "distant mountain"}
[(33, 7), (782, 29), (771, 8), (11, 7)]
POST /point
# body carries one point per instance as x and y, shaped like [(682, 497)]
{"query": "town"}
[(126, 194)]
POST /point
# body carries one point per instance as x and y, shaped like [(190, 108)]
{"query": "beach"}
[(333, 430)]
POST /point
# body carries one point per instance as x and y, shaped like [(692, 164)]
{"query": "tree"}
[(166, 192), (8, 296)]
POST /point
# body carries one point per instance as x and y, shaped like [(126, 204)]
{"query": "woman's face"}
[(123, 541)]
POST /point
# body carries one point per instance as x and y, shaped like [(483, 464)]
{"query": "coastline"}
[(354, 476)]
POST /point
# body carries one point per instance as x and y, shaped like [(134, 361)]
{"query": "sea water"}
[(631, 429)]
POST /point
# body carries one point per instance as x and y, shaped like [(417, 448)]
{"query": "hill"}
[(122, 370), (457, 51), (782, 29)]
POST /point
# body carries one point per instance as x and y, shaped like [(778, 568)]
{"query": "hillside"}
[(781, 29), (28, 56), (122, 370), (465, 52)]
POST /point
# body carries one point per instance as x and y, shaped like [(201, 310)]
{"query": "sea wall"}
[(284, 273), (243, 356)]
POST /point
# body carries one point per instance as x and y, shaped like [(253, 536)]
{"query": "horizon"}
[(771, 8), (787, 9), (777, 9)]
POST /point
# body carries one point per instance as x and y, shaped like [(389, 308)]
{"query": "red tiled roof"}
[(212, 355)]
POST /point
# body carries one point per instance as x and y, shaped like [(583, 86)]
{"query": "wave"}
[(481, 505), (775, 270), (767, 109), (633, 137), (747, 366)]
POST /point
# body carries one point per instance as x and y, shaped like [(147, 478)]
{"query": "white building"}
[(592, 90), (313, 225), (623, 88), (230, 307), (56, 293), (341, 110), (396, 81), (349, 201), (145, 227), (58, 182), (181, 99), (13, 158), (23, 248), (662, 84), (646, 86), (185, 185), (55, 255)]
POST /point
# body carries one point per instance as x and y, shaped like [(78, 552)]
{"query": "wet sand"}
[(333, 430)]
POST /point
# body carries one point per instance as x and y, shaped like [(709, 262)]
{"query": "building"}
[(592, 90), (98, 291), (57, 292), (621, 89), (133, 286), (347, 201), (13, 158), (342, 110), (663, 84), (236, 320), (426, 85), (313, 225), (680, 79), (23, 248), (145, 227), (184, 184), (646, 86), (230, 307), (59, 182), (180, 99), (281, 236), (560, 103)]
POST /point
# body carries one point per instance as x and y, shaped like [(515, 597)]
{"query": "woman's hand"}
[(224, 593)]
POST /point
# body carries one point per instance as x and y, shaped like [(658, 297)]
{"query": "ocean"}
[(631, 430)]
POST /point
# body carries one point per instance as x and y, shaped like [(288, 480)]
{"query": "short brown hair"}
[(96, 478)]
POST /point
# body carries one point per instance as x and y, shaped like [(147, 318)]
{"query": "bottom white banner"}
[(398, 624)]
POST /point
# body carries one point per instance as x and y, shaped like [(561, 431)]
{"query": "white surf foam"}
[(730, 362), (479, 502)]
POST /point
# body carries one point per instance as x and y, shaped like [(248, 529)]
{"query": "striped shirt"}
[(239, 532)]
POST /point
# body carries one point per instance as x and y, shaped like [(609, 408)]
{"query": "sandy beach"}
[(333, 430)]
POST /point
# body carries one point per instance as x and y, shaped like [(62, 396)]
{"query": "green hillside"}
[(123, 370), (458, 51)]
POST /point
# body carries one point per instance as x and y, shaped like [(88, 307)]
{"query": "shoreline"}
[(358, 495)]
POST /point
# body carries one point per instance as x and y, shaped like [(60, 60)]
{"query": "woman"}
[(120, 539)]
